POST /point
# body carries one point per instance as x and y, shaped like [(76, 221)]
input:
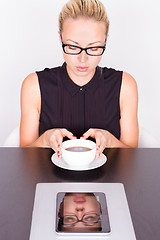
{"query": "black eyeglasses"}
[(75, 50), (87, 219)]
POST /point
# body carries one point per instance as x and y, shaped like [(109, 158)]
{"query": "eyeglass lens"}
[(88, 218), (74, 50)]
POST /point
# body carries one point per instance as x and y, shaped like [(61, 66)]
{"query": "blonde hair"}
[(84, 8)]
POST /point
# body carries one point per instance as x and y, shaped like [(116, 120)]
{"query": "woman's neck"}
[(80, 80)]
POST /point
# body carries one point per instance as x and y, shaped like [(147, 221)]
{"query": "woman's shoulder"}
[(128, 80), (110, 70), (111, 73), (30, 92), (120, 80), (129, 85), (112, 79), (34, 81), (30, 81), (129, 91), (125, 77), (33, 78), (30, 84), (48, 72), (48, 76)]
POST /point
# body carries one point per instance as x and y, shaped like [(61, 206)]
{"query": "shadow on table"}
[(79, 176)]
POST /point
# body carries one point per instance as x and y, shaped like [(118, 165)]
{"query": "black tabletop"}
[(22, 168)]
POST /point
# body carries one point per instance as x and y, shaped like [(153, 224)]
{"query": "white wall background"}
[(29, 42)]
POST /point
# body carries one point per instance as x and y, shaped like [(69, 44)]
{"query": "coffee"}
[(78, 149)]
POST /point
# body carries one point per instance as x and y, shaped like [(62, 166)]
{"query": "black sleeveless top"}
[(67, 105)]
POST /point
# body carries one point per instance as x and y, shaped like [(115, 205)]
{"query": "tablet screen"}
[(82, 212)]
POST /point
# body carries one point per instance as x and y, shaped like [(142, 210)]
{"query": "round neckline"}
[(73, 87)]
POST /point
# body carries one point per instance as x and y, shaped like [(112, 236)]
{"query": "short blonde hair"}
[(84, 8)]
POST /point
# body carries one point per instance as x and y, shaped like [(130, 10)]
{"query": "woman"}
[(80, 212), (80, 99)]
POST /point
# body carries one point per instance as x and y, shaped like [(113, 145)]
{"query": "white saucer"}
[(95, 164)]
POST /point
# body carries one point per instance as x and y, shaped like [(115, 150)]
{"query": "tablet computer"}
[(82, 213)]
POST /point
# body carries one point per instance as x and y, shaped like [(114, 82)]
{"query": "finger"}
[(68, 134), (56, 141), (98, 149), (89, 133), (59, 138), (64, 133), (59, 144), (100, 144), (52, 141)]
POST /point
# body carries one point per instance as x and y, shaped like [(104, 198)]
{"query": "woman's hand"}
[(54, 138), (102, 137)]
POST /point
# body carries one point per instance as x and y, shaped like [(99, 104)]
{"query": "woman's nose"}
[(79, 212), (83, 56), (79, 209)]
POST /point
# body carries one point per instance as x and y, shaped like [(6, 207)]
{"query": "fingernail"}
[(58, 152), (98, 146), (58, 145), (82, 136), (73, 136)]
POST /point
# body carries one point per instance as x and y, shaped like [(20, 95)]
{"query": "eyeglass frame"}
[(87, 224), (81, 49)]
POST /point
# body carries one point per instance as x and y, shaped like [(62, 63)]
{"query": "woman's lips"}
[(82, 69), (79, 199)]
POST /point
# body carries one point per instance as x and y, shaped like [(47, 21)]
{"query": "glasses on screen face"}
[(88, 219), (75, 50)]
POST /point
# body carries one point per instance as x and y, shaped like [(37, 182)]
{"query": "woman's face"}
[(80, 204), (84, 33)]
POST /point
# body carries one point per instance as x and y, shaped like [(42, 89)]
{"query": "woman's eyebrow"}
[(94, 43), (69, 213), (72, 213), (72, 41), (87, 45)]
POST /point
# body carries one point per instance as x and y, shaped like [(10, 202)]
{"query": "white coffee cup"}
[(84, 155)]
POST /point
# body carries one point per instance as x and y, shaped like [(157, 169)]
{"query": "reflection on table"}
[(21, 169)]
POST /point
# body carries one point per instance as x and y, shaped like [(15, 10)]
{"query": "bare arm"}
[(30, 114), (30, 110), (129, 108)]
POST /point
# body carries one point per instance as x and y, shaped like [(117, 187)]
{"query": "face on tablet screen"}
[(80, 212)]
